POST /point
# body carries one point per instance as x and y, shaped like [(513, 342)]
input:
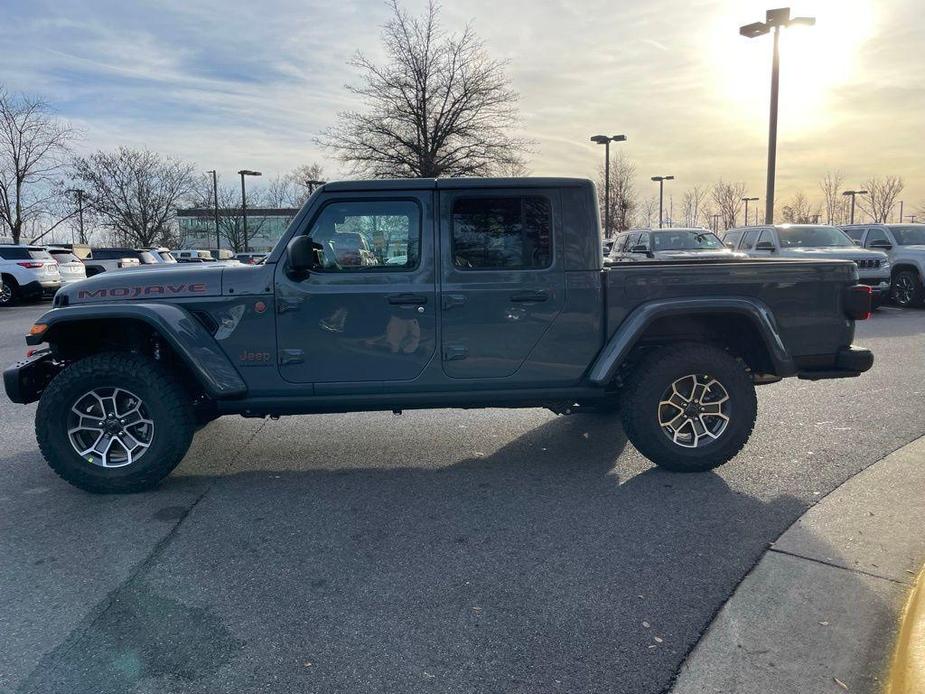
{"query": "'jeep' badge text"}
[(150, 290)]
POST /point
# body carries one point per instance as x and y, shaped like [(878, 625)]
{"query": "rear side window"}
[(502, 233), (23, 253), (749, 239), (732, 238), (101, 254), (65, 257)]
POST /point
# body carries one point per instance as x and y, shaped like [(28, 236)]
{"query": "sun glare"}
[(814, 60)]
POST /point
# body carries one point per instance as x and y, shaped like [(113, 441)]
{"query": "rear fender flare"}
[(634, 326), (186, 335)]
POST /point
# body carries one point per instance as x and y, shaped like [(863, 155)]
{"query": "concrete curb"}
[(820, 611), (907, 674)]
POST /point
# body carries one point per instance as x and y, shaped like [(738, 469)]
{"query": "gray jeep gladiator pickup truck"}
[(390, 295)]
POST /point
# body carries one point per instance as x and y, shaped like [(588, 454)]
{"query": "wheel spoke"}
[(694, 410)]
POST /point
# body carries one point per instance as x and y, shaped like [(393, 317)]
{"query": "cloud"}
[(237, 83)]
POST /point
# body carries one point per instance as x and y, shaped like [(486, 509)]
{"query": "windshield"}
[(166, 257), (813, 237), (685, 241), (909, 236)]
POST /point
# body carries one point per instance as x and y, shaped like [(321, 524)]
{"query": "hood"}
[(839, 253), (146, 283)]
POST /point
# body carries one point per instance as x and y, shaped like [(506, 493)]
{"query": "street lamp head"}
[(211, 171), (248, 172), (805, 21), (618, 138), (669, 178), (600, 139), (754, 30), (778, 18)]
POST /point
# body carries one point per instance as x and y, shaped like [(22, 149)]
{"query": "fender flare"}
[(631, 329), (186, 335)]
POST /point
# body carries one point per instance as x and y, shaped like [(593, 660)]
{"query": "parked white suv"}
[(905, 245), (813, 241), (28, 272), (70, 266)]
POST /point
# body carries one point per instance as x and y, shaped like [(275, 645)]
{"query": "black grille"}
[(868, 264)]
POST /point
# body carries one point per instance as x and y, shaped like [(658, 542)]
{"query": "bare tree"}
[(800, 210), (281, 192), (33, 151), (305, 179), (694, 207), (647, 214), (727, 201), (834, 201), (623, 200), (135, 192), (438, 105), (882, 194), (230, 214)]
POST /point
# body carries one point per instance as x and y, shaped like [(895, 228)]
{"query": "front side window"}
[(502, 233), (732, 238), (363, 236), (876, 235), (750, 237), (909, 235), (812, 237), (767, 236), (684, 241), (855, 233)]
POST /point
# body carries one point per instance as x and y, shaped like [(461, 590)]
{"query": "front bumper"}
[(846, 363), (25, 380)]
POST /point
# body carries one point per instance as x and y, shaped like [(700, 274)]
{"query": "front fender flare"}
[(632, 328), (186, 335)]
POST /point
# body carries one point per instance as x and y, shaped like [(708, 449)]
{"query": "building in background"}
[(265, 226)]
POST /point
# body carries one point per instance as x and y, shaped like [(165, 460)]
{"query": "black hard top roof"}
[(454, 183)]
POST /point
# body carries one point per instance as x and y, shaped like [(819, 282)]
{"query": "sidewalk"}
[(821, 611)]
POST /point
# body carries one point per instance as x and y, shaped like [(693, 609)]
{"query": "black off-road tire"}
[(906, 289), (167, 403), (655, 373)]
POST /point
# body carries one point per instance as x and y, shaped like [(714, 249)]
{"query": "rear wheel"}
[(114, 423), (9, 293), (689, 407), (906, 289)]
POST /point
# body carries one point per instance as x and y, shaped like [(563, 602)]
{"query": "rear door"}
[(503, 278)]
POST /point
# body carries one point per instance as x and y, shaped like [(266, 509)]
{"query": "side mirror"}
[(301, 254), (885, 245), (765, 246)]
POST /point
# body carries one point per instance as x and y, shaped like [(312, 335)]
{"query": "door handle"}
[(540, 295), (407, 299)]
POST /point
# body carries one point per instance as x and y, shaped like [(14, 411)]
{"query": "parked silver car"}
[(905, 246), (813, 241), (70, 266), (667, 244)]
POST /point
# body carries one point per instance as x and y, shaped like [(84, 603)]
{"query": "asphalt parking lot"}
[(443, 551)]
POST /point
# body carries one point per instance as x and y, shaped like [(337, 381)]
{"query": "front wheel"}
[(689, 407), (906, 289), (114, 423), (8, 293)]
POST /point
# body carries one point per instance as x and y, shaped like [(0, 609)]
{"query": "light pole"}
[(746, 201), (776, 20), (716, 224), (79, 192), (606, 140), (900, 211), (911, 217), (853, 194), (661, 194), (218, 237), (243, 173), (311, 184)]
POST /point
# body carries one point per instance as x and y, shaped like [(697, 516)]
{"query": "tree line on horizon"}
[(436, 106)]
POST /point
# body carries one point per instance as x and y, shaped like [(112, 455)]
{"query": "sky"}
[(232, 84)]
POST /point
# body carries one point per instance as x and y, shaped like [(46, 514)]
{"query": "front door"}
[(503, 278), (367, 312)]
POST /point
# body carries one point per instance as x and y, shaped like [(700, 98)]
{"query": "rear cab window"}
[(502, 232)]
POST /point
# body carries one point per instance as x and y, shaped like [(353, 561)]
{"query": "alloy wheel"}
[(694, 410), (110, 427), (903, 290)]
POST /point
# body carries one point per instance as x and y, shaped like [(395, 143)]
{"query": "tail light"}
[(32, 265), (858, 302)]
